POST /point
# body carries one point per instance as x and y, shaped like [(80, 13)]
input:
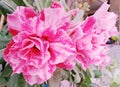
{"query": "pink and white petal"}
[(103, 9), (17, 19), (88, 25), (38, 75), (76, 34), (69, 63), (60, 52)]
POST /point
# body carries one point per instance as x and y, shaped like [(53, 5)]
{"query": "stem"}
[(56, 79), (1, 22)]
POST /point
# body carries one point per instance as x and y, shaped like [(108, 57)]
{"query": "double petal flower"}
[(42, 42)]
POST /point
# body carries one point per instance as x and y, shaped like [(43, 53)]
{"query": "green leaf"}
[(40, 4), (88, 80), (48, 3), (87, 77), (88, 73), (19, 2), (7, 72), (0, 12), (97, 73), (3, 41), (21, 82), (85, 85), (45, 3), (1, 58), (3, 82), (15, 80), (6, 7), (4, 37)]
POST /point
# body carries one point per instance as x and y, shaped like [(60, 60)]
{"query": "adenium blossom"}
[(95, 32), (43, 41), (40, 43)]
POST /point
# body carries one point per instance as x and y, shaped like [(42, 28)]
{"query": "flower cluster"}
[(42, 42)]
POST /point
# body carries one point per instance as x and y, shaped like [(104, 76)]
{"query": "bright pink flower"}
[(40, 43), (37, 57), (28, 54), (51, 18)]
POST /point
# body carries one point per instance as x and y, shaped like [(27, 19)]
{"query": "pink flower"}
[(28, 54), (37, 58), (40, 43), (95, 31), (51, 18), (105, 20)]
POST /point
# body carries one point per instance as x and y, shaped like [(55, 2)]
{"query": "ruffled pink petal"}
[(17, 19), (60, 52), (39, 75), (88, 25), (76, 33), (69, 63), (61, 48)]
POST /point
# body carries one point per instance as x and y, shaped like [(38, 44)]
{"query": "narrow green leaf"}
[(88, 73), (4, 37), (21, 81), (17, 80), (6, 7), (3, 41), (48, 3), (87, 80), (0, 12), (44, 2), (84, 85), (7, 71), (19, 2), (1, 58)]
